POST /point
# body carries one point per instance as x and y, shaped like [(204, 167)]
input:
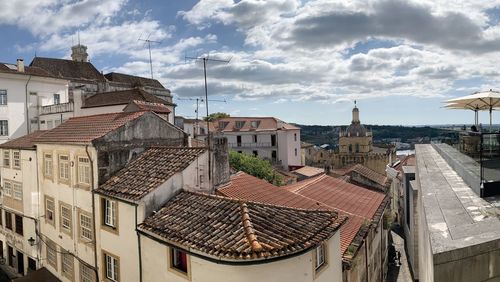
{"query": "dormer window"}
[(254, 123), (239, 124), (222, 124)]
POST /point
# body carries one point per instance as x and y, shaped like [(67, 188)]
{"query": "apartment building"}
[(74, 158), (265, 137), (23, 91), (19, 210)]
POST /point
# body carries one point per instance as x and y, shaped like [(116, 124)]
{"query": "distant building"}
[(264, 137), (24, 90), (355, 147)]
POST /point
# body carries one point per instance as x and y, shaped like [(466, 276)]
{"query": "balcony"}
[(56, 109), (251, 145)]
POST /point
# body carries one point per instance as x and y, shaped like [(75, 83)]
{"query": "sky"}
[(301, 61)]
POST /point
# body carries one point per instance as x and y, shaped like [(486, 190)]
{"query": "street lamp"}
[(31, 241)]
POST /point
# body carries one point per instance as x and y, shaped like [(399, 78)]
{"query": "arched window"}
[(357, 148), (350, 148)]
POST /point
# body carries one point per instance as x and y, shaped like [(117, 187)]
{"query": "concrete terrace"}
[(460, 224)]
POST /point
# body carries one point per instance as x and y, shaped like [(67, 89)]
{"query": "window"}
[(85, 227), (49, 210), (255, 153), (239, 124), (19, 224), (320, 256), (8, 220), (83, 170), (64, 167), (18, 191), (273, 140), (238, 141), (3, 97), (111, 265), (223, 124), (50, 124), (16, 159), (295, 151), (254, 123), (109, 212), (7, 188), (6, 158), (51, 253), (57, 99), (86, 273), (67, 265), (255, 138), (65, 212), (4, 128), (178, 260), (47, 165), (295, 137)]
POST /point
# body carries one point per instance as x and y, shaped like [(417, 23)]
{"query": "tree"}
[(254, 166), (214, 116)]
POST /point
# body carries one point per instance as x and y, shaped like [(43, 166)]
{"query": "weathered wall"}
[(221, 170)]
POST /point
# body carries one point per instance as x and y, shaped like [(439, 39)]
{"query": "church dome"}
[(356, 129)]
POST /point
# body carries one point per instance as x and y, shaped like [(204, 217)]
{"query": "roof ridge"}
[(316, 179), (248, 228), (106, 114)]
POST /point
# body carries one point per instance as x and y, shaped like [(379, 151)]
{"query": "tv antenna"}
[(149, 41), (198, 100), (205, 60)]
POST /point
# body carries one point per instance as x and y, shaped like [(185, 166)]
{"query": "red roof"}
[(87, 128), (368, 173), (241, 124), (149, 106), (248, 187), (24, 142), (358, 203)]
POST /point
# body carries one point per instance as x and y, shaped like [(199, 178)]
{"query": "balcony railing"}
[(57, 108), (251, 145)]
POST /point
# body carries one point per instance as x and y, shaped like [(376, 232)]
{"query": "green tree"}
[(254, 166), (214, 116)]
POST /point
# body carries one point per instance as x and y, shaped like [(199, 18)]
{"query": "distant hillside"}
[(320, 134)]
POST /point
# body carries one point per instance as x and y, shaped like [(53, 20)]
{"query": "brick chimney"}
[(20, 65), (220, 151)]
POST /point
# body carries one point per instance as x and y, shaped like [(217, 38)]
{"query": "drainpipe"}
[(27, 107), (366, 260), (93, 211), (138, 246)]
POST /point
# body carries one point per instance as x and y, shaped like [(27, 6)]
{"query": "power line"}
[(205, 61), (149, 41)]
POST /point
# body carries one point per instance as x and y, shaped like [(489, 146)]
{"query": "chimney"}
[(220, 151), (20, 65)]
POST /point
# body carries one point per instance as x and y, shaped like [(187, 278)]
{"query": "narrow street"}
[(399, 271)]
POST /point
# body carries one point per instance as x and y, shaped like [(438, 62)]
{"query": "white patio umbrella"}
[(476, 108), (479, 101)]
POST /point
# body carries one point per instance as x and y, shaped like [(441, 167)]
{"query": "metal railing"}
[(251, 145), (490, 164), (57, 108)]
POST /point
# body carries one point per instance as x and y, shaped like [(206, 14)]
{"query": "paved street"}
[(399, 272)]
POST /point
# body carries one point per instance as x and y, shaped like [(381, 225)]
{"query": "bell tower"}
[(79, 53)]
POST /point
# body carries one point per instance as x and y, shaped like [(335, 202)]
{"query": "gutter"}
[(27, 108), (93, 212), (138, 246)]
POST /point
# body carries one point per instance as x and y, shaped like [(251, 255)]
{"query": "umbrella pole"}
[(491, 108)]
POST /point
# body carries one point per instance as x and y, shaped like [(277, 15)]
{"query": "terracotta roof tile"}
[(24, 142), (368, 173), (259, 124), (68, 69), (309, 171), (133, 80), (122, 97), (151, 169), (87, 128), (158, 108), (250, 188), (28, 70), (235, 230)]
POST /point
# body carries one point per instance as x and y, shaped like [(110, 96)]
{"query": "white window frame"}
[(50, 206), (83, 170), (110, 213), (320, 254), (16, 160), (3, 97), (86, 273), (4, 127), (7, 188), (112, 266), (64, 167), (6, 157), (66, 223), (85, 228), (67, 265), (48, 164), (17, 191), (58, 98)]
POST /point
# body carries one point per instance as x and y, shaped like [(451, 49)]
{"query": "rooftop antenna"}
[(198, 100), (205, 60), (78, 37), (149, 41)]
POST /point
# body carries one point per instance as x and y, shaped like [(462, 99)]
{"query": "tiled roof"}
[(234, 230), (87, 128), (24, 142), (151, 169), (309, 171), (28, 70), (133, 80), (250, 124), (368, 173), (68, 69), (250, 188), (122, 97), (148, 106), (359, 204)]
